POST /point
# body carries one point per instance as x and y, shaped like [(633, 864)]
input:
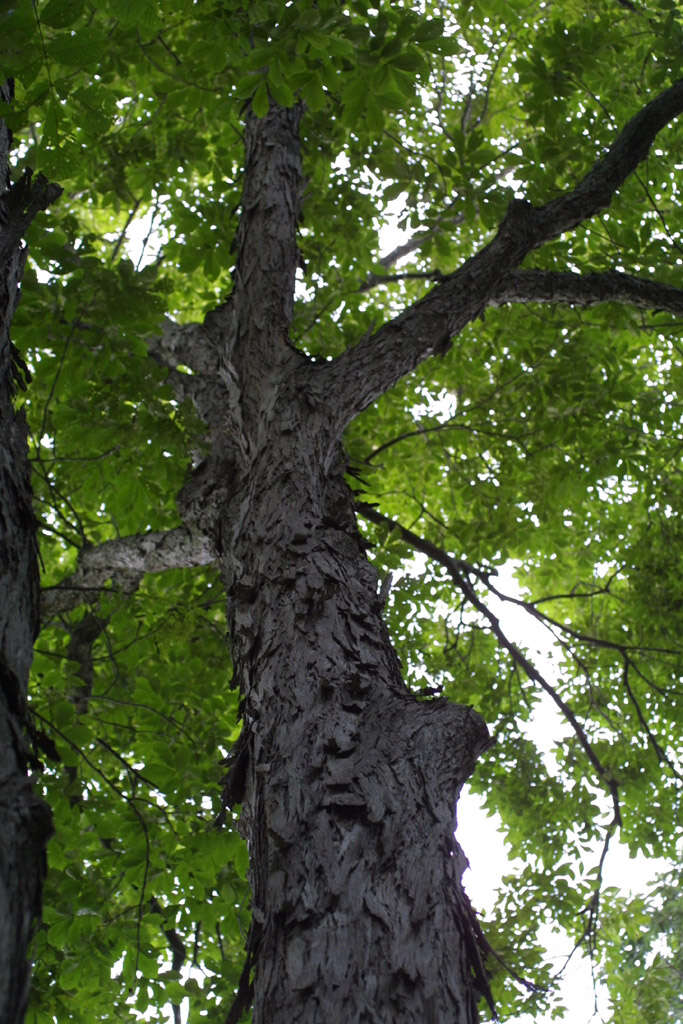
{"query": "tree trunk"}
[(25, 819), (348, 783), (351, 782)]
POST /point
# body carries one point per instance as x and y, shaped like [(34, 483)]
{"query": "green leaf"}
[(260, 102), (61, 13), (354, 100)]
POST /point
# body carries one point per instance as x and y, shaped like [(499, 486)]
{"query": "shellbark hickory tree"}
[(509, 404)]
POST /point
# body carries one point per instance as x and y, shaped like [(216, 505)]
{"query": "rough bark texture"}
[(25, 818), (351, 783), (123, 561)]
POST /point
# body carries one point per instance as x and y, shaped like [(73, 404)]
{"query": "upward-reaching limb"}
[(363, 373)]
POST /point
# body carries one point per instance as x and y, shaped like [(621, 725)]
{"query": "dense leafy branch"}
[(459, 571), (129, 801), (363, 373)]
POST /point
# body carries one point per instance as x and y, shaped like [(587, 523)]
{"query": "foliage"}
[(549, 435)]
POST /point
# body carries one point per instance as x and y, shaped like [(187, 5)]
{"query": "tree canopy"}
[(548, 433)]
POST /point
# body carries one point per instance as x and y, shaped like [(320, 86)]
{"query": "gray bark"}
[(123, 561), (25, 819), (350, 782)]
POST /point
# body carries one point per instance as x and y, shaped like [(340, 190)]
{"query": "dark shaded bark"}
[(351, 784), (25, 820), (523, 286)]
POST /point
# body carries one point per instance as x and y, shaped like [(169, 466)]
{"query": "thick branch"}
[(139, 554), (268, 256), (362, 374), (587, 290)]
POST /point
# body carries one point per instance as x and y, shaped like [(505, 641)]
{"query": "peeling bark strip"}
[(25, 820)]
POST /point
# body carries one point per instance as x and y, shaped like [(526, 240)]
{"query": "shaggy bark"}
[(351, 783), (26, 819), (348, 784)]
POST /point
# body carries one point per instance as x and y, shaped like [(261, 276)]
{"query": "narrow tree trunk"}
[(25, 819)]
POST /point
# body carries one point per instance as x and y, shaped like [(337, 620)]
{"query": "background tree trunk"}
[(25, 819)]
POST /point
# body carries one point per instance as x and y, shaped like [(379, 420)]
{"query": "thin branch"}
[(584, 638), (372, 280), (454, 569), (131, 802), (660, 753), (121, 238), (589, 930)]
